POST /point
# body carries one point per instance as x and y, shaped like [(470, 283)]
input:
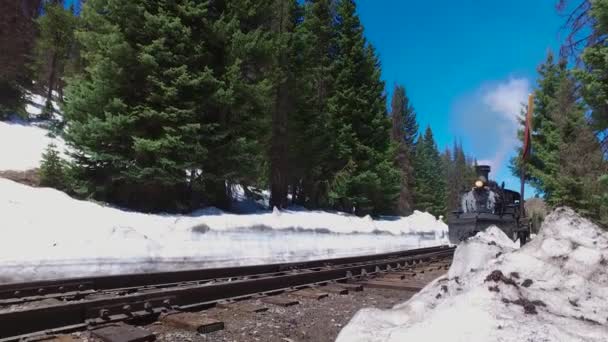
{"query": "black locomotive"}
[(487, 204)]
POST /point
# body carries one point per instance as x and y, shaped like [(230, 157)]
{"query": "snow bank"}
[(47, 234), (553, 289), (22, 145)]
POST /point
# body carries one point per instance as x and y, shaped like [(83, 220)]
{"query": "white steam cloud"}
[(488, 117)]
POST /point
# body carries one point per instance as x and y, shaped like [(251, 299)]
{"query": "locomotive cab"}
[(487, 204)]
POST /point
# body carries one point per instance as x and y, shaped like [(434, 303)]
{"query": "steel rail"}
[(97, 283), (153, 301)]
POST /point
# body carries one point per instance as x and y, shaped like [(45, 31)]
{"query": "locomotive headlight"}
[(478, 184)]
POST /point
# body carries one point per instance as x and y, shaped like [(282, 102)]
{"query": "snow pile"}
[(553, 289), (47, 234), (22, 145)]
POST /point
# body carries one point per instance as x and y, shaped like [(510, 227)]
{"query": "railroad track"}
[(60, 306)]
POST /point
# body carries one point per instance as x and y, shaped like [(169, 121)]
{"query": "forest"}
[(167, 105), (567, 164)]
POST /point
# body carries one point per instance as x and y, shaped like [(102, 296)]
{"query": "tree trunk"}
[(279, 177), (48, 111), (217, 193), (279, 150)]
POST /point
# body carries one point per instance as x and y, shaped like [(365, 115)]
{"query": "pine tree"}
[(544, 157), (579, 154), (53, 47), (430, 189), (403, 133), (17, 34), (600, 201), (463, 175), (594, 83), (137, 114), (448, 166), (366, 180), (566, 158), (52, 172), (311, 134), (595, 90), (242, 55), (284, 66)]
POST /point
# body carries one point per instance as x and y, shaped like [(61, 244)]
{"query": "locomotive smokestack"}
[(483, 172)]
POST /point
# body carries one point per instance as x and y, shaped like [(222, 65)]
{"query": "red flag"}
[(528, 129)]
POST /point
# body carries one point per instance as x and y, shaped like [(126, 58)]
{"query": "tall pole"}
[(526, 151), (522, 208)]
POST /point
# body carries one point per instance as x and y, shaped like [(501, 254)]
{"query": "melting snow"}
[(553, 289), (22, 145), (47, 234)]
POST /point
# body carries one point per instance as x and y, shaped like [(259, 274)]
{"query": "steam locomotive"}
[(487, 204)]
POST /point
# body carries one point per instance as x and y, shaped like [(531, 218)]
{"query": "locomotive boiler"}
[(487, 204)]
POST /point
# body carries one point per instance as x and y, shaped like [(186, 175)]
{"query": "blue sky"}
[(76, 4), (466, 65)]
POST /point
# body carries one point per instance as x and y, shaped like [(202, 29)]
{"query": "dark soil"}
[(29, 177), (497, 276), (311, 321), (527, 283)]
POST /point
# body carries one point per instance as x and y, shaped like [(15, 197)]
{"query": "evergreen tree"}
[(52, 172), (430, 183), (462, 177), (137, 114), (403, 133), (53, 47), (242, 46), (600, 201), (284, 66), (316, 43), (566, 158), (594, 83), (579, 155), (365, 180), (448, 166), (544, 157), (17, 34)]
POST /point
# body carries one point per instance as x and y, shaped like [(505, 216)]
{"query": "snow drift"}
[(47, 234), (22, 145), (553, 289)]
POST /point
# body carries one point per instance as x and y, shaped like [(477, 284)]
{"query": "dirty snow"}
[(47, 234), (555, 288)]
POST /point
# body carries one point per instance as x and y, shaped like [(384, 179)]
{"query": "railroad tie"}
[(351, 287), (120, 332), (335, 289), (193, 322), (280, 301), (393, 285), (399, 276), (56, 338), (310, 293), (246, 307)]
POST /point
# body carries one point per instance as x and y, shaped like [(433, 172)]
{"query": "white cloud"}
[(506, 98), (488, 118)]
